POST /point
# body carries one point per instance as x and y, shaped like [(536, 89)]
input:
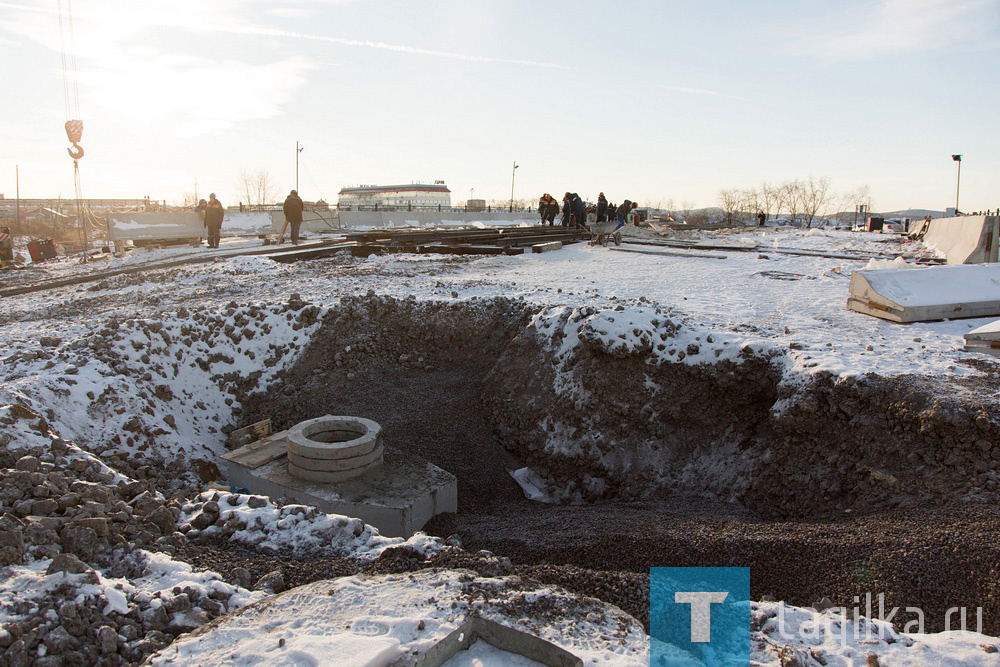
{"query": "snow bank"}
[(168, 383), (378, 620), (299, 529)]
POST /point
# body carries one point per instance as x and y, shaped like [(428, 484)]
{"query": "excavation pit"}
[(686, 463), (340, 465)]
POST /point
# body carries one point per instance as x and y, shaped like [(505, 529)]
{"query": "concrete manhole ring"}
[(334, 437), (328, 476), (336, 465)]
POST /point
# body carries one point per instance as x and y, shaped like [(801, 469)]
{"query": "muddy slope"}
[(633, 425)]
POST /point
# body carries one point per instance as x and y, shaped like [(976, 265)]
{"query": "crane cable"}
[(313, 181), (71, 96)]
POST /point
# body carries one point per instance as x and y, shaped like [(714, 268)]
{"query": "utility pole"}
[(958, 183), (512, 186), (17, 193), (297, 151)]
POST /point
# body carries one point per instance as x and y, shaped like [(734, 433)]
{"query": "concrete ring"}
[(331, 437), (336, 465), (330, 477)]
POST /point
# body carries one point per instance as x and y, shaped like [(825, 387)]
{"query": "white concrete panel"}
[(970, 239), (929, 293)]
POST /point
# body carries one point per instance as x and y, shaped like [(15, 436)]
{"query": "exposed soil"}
[(467, 387)]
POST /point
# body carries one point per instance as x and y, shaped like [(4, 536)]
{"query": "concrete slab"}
[(398, 497), (970, 239), (984, 339), (926, 294)]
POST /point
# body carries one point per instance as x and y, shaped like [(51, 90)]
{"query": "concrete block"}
[(984, 339), (970, 239), (397, 497), (926, 294)]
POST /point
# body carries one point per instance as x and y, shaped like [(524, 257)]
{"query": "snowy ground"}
[(135, 342), (743, 294)]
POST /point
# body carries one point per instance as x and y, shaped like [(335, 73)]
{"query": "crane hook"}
[(76, 152)]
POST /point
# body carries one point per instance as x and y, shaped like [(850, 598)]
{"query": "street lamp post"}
[(512, 186), (958, 183)]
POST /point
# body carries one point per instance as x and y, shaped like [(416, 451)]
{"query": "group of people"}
[(575, 210), (212, 213)]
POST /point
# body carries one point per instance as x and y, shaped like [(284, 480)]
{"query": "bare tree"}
[(815, 197), (769, 199), (791, 196), (750, 201), (730, 200), (190, 200), (519, 204), (852, 202), (257, 188)]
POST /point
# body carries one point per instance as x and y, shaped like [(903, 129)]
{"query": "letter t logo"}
[(701, 612)]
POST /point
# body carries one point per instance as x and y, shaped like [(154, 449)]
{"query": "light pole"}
[(512, 186), (958, 183), (297, 151)]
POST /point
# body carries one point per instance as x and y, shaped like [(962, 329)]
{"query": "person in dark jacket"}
[(293, 215), (567, 211), (602, 208), (621, 214), (214, 214), (761, 217), (579, 209), (549, 209)]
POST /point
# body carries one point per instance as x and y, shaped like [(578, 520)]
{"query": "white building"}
[(399, 196)]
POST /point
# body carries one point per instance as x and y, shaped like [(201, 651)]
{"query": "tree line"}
[(798, 200)]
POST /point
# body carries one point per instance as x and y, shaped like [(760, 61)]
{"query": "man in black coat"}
[(602, 208), (214, 214), (579, 209), (567, 211), (293, 215)]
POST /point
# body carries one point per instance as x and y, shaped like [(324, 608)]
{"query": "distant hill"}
[(913, 214)]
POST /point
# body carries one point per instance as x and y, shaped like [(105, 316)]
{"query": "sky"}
[(656, 101)]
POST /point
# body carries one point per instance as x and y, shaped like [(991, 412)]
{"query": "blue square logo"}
[(700, 616)]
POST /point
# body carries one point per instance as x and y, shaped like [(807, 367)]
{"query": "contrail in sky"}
[(274, 32), (701, 91)]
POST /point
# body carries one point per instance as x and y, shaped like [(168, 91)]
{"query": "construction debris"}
[(984, 339), (491, 241), (667, 252), (928, 293)]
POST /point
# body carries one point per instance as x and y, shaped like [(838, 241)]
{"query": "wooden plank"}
[(247, 434), (547, 247), (310, 253), (667, 252), (261, 452)]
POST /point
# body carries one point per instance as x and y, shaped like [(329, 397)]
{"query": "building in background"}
[(415, 195)]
